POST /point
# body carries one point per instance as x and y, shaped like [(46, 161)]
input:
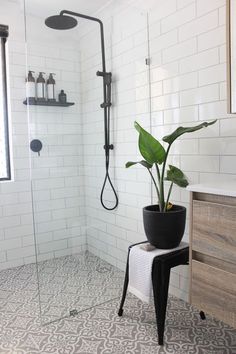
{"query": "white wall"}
[(188, 85), (57, 175)]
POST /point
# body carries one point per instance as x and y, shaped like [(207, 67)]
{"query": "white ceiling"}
[(45, 8)]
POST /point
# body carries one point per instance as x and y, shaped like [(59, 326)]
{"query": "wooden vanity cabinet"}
[(213, 255)]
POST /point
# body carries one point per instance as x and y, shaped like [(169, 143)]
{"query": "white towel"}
[(140, 270)]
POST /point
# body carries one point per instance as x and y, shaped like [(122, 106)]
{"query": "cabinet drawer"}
[(214, 291), (214, 230)]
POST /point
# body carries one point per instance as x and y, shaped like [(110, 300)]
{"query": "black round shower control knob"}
[(36, 145)]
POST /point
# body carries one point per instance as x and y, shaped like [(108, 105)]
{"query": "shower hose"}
[(107, 148)]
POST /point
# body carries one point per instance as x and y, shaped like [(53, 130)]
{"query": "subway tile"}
[(137, 188), (207, 6), (45, 205), (185, 147), (51, 226), (212, 38), (164, 72), (3, 257), (164, 41), (181, 82), (200, 163), (165, 102), (48, 183), (154, 30), (217, 146), (180, 50), (228, 127), (228, 164), (11, 198), (162, 10), (209, 146), (10, 244), (222, 51), (9, 221), (122, 46), (52, 246), (17, 209), (212, 75), (19, 231), (183, 3), (199, 61), (213, 110), (199, 95), (24, 252), (222, 15), (199, 25), (179, 115), (227, 146), (178, 18), (65, 213), (223, 91), (128, 224)]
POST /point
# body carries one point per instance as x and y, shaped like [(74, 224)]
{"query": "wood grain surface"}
[(214, 291), (214, 230)]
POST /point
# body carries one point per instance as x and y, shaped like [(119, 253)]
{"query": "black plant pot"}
[(164, 230)]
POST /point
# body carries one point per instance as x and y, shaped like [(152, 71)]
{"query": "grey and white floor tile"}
[(83, 282)]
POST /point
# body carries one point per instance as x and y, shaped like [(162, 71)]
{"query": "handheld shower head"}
[(61, 22)]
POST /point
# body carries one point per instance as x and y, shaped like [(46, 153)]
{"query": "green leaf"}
[(182, 130), (143, 163), (149, 147), (176, 176)]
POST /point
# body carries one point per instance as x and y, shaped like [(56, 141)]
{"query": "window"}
[(5, 168)]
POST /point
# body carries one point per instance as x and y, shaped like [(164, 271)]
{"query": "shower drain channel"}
[(73, 313)]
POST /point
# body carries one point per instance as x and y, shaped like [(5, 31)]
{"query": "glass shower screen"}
[(72, 274)]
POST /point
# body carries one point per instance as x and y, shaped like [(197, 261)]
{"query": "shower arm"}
[(76, 14), (107, 76)]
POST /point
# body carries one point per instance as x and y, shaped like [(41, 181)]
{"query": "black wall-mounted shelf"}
[(47, 103)]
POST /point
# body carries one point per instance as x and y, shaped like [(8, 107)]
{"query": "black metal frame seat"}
[(161, 268)]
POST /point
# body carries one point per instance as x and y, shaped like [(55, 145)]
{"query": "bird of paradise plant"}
[(155, 155)]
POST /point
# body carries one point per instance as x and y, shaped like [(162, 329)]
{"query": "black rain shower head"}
[(61, 22)]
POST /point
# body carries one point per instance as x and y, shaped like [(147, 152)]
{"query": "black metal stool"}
[(161, 268)]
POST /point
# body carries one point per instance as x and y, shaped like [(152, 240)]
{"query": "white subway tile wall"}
[(57, 175), (51, 183), (187, 85)]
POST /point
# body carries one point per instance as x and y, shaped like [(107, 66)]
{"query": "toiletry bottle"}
[(51, 88), (30, 86), (41, 95), (62, 97)]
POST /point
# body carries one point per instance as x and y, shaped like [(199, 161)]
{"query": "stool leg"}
[(202, 315), (161, 278), (126, 282)]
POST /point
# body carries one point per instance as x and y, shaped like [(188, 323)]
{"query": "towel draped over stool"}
[(140, 270)]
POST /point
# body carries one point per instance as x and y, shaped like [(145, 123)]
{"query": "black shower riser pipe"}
[(106, 105)]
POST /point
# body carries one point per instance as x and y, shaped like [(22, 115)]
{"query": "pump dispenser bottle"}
[(51, 87), (41, 94), (30, 86)]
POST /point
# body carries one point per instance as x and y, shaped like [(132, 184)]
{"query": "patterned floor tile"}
[(88, 281)]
